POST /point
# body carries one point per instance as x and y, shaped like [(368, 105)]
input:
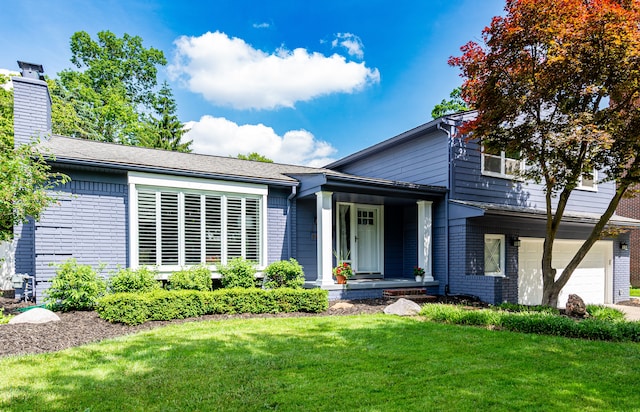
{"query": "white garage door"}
[(592, 280)]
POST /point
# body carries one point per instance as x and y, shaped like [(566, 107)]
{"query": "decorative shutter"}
[(169, 227), (213, 219), (234, 227), (147, 228), (192, 229)]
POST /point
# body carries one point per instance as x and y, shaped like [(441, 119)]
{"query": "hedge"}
[(136, 308), (535, 322)]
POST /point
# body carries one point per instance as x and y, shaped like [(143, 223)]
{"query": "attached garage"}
[(592, 280)]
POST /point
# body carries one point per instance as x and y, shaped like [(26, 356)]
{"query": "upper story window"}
[(588, 181), (501, 163)]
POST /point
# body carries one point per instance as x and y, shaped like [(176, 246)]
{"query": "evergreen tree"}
[(163, 129)]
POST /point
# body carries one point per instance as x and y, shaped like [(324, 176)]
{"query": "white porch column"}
[(425, 236), (324, 211)]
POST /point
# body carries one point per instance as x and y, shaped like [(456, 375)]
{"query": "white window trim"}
[(179, 184), (593, 188), (502, 174), (502, 254)]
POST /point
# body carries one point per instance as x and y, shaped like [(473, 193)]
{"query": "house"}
[(489, 227), (423, 198)]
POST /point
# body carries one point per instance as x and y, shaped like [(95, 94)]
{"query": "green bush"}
[(142, 279), (284, 274), (516, 307), (608, 328), (194, 278), (605, 313), (4, 318), (75, 287), (136, 308), (238, 273)]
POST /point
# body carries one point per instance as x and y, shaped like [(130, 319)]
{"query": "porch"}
[(372, 288)]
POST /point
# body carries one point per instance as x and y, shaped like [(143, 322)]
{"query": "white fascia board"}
[(195, 183)]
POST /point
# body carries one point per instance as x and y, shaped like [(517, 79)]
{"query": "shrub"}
[(136, 308), (194, 278), (284, 274), (539, 322), (238, 273), (75, 287), (516, 307), (4, 318), (605, 313), (142, 279)]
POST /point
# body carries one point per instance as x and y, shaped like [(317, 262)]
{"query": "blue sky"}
[(303, 82)]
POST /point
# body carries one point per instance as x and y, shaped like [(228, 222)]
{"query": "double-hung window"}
[(494, 258), (588, 181), (183, 223), (500, 163)]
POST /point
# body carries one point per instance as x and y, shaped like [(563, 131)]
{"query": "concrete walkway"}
[(630, 312)]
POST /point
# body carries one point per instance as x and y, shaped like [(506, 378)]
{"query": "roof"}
[(449, 120), (569, 216), (84, 152), (91, 153)]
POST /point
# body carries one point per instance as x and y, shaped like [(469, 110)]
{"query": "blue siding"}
[(306, 241), (394, 243), (31, 109), (621, 263), (469, 184), (422, 160), (277, 221), (89, 222)]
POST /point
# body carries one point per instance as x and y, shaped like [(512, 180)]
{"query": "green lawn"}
[(635, 292), (343, 363)]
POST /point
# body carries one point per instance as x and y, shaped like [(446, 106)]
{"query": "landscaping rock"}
[(576, 307), (341, 306), (403, 307), (36, 315)]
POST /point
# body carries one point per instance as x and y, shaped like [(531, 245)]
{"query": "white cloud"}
[(351, 42), (229, 72), (264, 25), (220, 136)]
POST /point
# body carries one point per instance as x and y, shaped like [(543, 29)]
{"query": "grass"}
[(635, 292), (360, 363)]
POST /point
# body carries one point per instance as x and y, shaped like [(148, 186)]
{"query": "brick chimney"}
[(31, 105)]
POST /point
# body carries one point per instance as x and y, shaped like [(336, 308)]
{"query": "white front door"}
[(360, 238)]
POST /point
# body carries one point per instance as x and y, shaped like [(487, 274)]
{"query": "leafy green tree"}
[(25, 176), (116, 85), (255, 156), (559, 82), (6, 115), (164, 129), (453, 105)]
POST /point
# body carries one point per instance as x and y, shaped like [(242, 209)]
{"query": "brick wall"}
[(630, 207)]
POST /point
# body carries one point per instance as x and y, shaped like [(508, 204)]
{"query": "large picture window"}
[(173, 227)]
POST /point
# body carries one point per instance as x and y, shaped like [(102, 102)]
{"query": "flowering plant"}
[(418, 271), (343, 269)]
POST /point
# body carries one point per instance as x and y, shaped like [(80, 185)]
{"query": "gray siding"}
[(621, 263), (469, 184), (422, 160), (31, 109)]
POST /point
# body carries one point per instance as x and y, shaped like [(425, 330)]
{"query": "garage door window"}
[(494, 255)]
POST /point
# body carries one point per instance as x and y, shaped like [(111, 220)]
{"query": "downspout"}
[(294, 191), (447, 131)]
